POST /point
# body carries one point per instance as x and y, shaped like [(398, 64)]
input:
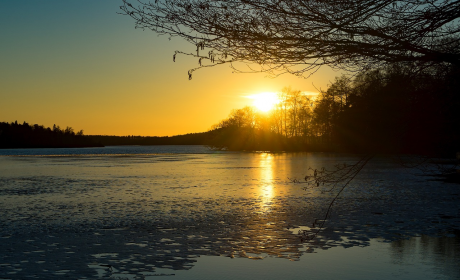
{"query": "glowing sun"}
[(264, 101)]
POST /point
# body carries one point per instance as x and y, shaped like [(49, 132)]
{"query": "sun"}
[(264, 101)]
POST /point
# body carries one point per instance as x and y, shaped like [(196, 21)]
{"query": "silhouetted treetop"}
[(14, 135), (299, 36)]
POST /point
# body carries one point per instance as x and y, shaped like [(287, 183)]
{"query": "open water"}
[(187, 212)]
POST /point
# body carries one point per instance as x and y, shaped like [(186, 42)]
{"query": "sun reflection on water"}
[(267, 192)]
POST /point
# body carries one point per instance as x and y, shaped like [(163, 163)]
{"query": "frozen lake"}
[(186, 212)]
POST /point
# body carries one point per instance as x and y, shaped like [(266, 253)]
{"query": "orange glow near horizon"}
[(264, 101)]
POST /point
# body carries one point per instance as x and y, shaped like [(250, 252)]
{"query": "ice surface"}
[(144, 216)]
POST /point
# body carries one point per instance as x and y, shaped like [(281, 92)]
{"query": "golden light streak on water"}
[(267, 191)]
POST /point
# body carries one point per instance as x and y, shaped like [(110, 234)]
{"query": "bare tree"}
[(300, 36)]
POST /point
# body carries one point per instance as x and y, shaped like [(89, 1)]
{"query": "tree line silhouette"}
[(15, 135), (201, 138), (393, 109)]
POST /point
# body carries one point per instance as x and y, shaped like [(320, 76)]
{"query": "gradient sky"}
[(78, 63)]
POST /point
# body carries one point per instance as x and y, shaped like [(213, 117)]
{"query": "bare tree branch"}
[(299, 36), (328, 181)]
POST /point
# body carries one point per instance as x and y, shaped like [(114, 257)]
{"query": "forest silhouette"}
[(14, 135), (387, 110)]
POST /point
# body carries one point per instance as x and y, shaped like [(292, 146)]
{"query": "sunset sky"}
[(78, 63)]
